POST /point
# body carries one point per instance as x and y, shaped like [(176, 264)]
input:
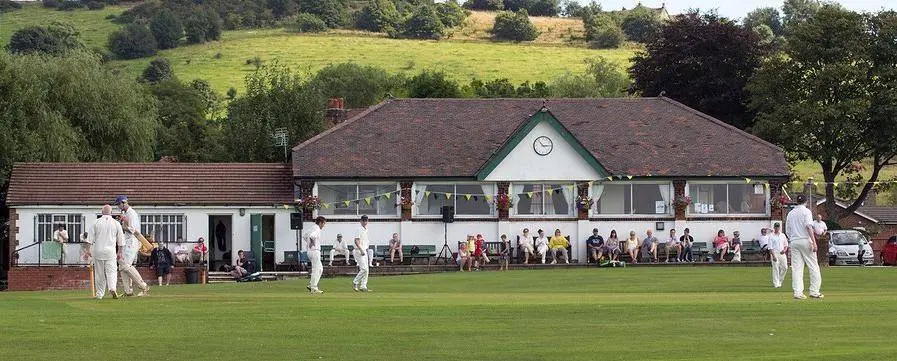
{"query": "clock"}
[(543, 145)]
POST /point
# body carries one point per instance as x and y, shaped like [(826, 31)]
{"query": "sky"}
[(734, 9)]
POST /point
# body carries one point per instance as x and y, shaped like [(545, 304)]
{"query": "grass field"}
[(92, 25), (681, 313)]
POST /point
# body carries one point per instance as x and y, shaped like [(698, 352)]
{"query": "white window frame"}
[(69, 219), (395, 198), (593, 211), (571, 203), (170, 235), (492, 211), (727, 183)]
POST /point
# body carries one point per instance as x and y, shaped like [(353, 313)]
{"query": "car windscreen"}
[(848, 239)]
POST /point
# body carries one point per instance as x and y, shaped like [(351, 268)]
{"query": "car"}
[(843, 246)]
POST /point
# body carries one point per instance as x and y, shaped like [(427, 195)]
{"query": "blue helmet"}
[(121, 199)]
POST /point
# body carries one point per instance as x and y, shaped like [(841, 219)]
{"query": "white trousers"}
[(543, 251), (361, 279), (779, 269), (800, 256), (105, 276), (336, 251), (129, 274), (317, 268)]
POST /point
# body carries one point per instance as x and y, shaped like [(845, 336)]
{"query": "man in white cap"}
[(131, 228), (103, 240), (799, 227), (361, 256), (339, 248)]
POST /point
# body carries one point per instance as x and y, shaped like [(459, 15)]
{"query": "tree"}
[(484, 4), (819, 100), (335, 13), (703, 61), (167, 29), (514, 26), (282, 8), (157, 71), (378, 16), (132, 42), (432, 84), (183, 127), (450, 13), (601, 29), (534, 7), (54, 39), (764, 16), (423, 23), (795, 12), (640, 24), (309, 23), (203, 26), (360, 86), (602, 79), (275, 97)]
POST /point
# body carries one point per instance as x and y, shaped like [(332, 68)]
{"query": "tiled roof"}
[(884, 215), (150, 183), (455, 137)]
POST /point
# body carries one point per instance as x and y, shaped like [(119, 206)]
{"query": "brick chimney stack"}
[(336, 111)]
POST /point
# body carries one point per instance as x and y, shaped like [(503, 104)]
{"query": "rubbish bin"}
[(191, 275)]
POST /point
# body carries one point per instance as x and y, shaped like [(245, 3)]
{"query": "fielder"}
[(340, 248), (799, 227), (131, 228), (103, 240), (778, 246), (361, 256), (314, 254)]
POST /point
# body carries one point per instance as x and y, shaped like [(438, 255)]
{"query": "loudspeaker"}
[(448, 214), (296, 220)]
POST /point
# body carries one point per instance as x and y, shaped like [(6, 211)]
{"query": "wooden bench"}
[(701, 250), (424, 251)]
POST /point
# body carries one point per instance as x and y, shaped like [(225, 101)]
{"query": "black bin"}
[(191, 274)]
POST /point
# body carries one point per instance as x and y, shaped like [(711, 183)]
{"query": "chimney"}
[(336, 111)]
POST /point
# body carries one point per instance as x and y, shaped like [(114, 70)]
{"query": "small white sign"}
[(660, 207), (709, 208), (758, 189)]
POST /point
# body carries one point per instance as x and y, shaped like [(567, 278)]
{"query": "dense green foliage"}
[(308, 23), (335, 13), (484, 4), (602, 30), (360, 86), (764, 16), (159, 70), (602, 79), (54, 39), (378, 16), (167, 29), (450, 13), (534, 7), (432, 84), (133, 41), (423, 23), (640, 24), (515, 26)]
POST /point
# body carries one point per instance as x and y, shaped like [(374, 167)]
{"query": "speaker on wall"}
[(296, 220), (448, 214)]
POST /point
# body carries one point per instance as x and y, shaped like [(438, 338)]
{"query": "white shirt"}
[(314, 238), (798, 219), (526, 239), (764, 240), (777, 242), (362, 235), (134, 223), (542, 241), (61, 236), (819, 227), (105, 235)]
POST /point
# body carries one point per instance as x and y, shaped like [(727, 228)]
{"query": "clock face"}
[(543, 145)]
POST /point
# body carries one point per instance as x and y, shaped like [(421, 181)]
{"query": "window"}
[(430, 197), (727, 198), (336, 195), (163, 227), (546, 199), (46, 224), (633, 198)]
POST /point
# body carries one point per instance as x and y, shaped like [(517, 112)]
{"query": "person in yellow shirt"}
[(558, 243)]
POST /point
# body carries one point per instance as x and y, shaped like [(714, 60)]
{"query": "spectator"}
[(504, 253), (889, 253), (686, 241), (720, 245), (200, 252), (820, 228), (763, 240), (180, 252), (85, 249), (673, 242), (542, 245), (479, 254), (238, 271), (612, 246), (736, 246), (594, 244), (395, 245), (162, 262), (558, 244), (61, 236), (525, 242), (339, 248), (632, 246), (649, 245), (464, 256)]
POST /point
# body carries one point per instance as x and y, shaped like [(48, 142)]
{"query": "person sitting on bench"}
[(612, 246), (542, 245), (479, 254), (464, 257), (594, 244), (558, 244), (525, 241), (395, 245), (200, 252), (339, 248)]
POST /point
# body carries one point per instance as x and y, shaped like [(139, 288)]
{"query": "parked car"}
[(844, 245)]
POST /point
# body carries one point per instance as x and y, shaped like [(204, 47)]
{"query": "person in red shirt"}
[(480, 252), (889, 253), (721, 245), (200, 252)]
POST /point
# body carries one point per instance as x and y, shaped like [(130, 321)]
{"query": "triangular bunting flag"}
[(530, 194), (835, 184), (448, 196), (610, 178), (488, 198), (325, 205), (875, 183), (347, 203), (815, 184), (747, 180), (427, 194), (387, 195), (766, 185), (467, 196), (368, 200), (357, 201), (570, 187)]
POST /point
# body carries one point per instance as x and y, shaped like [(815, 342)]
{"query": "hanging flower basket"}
[(405, 203), (584, 202), (310, 203), (682, 202), (503, 202), (781, 201)]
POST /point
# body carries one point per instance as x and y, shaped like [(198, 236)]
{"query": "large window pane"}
[(747, 199), (431, 205), (530, 205), (557, 202), (615, 199), (471, 207), (330, 193), (650, 198), (708, 198), (382, 206)]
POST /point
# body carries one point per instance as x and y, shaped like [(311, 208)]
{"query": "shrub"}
[(335, 13), (95, 5), (133, 41), (167, 29), (9, 5), (432, 84), (70, 5), (423, 23), (361, 86), (450, 13), (607, 37), (378, 16), (484, 4), (50, 3), (640, 24), (202, 27), (55, 39), (514, 26), (309, 23), (158, 70), (534, 7)]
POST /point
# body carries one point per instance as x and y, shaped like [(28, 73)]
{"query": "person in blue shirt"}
[(594, 244)]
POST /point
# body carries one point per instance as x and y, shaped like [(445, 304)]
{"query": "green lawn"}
[(670, 313), (92, 25)]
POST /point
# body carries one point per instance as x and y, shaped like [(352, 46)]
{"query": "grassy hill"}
[(92, 25)]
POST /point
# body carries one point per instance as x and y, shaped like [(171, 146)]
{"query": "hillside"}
[(468, 54)]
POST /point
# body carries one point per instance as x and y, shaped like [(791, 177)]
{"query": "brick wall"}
[(70, 278)]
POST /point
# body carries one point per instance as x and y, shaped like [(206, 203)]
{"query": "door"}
[(255, 239)]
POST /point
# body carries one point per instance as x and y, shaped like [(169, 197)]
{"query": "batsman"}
[(132, 244)]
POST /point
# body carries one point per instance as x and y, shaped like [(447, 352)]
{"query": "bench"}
[(424, 251), (701, 250)]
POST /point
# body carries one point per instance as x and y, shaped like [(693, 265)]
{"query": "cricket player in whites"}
[(103, 241), (361, 256), (314, 254), (131, 227)]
